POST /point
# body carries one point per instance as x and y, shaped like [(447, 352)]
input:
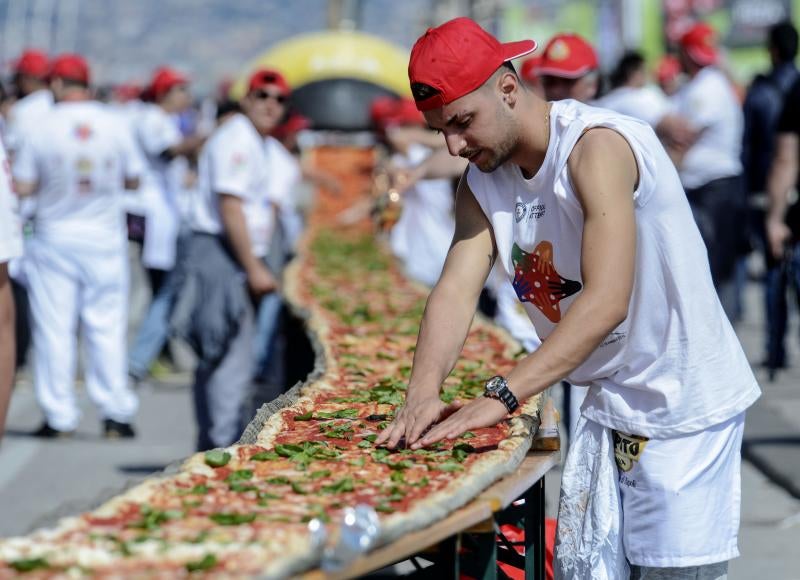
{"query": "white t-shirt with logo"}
[(709, 104), (675, 364), (423, 234), (234, 162), (156, 132), (284, 177), (79, 154), (10, 227), (647, 103)]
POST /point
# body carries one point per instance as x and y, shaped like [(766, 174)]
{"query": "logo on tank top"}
[(83, 132), (530, 211), (537, 281)]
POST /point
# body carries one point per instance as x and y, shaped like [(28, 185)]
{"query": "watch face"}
[(493, 385)]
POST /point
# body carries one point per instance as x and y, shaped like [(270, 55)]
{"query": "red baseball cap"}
[(530, 69), (568, 56), (164, 79), (32, 63), (667, 69), (456, 58), (265, 77), (71, 67), (700, 44), (392, 112)]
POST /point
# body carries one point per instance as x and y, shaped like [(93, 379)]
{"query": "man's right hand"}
[(778, 233), (414, 418), (260, 280)]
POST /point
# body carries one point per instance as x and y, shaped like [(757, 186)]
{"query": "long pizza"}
[(244, 510)]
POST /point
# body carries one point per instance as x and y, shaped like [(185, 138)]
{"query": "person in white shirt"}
[(10, 247), (223, 272), (612, 271), (165, 149), (34, 98), (76, 163), (710, 167)]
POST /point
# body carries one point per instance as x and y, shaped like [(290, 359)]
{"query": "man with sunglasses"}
[(223, 272)]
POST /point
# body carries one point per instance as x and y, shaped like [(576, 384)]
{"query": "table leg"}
[(534, 531)]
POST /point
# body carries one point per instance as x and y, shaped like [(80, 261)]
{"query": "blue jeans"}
[(779, 277), (154, 329), (266, 332)]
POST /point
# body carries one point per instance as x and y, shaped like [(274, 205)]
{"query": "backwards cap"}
[(32, 63), (456, 58), (70, 67)]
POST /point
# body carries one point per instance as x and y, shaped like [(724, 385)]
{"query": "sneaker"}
[(116, 430), (47, 432)]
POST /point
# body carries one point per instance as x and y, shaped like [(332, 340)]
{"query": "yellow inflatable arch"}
[(334, 55)]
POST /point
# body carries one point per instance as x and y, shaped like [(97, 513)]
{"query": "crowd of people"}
[(210, 200)]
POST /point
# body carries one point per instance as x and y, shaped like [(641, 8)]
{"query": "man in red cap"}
[(583, 210), (167, 152), (569, 69), (223, 272), (34, 98), (76, 162), (711, 167)]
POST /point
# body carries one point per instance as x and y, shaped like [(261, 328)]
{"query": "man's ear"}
[(508, 83)]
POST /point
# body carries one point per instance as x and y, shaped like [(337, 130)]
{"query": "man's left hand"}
[(481, 412)]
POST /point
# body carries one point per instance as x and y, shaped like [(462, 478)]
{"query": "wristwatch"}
[(497, 388)]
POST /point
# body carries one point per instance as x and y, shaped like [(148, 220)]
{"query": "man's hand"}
[(778, 233), (260, 280), (482, 412), (413, 418)]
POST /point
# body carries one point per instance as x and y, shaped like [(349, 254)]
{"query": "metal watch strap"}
[(508, 399)]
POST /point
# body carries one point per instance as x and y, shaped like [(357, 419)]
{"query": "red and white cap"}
[(700, 44), (71, 67), (567, 56), (164, 79), (389, 111), (32, 63), (456, 58)]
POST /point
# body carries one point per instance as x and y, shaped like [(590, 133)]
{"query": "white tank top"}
[(675, 364)]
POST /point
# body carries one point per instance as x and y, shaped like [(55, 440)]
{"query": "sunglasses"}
[(263, 95)]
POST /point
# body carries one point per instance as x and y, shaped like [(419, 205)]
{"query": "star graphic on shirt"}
[(536, 280), (83, 132)]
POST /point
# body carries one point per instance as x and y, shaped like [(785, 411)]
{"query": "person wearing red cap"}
[(569, 69), (34, 98), (585, 213), (223, 271), (710, 167), (76, 163), (668, 74), (168, 153)]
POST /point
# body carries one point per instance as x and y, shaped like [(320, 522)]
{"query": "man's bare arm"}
[(25, 188), (259, 278), (446, 320), (604, 175), (782, 177), (7, 344)]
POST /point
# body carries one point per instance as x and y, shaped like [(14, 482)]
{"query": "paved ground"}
[(41, 480)]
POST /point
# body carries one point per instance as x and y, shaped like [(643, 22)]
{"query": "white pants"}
[(68, 285), (654, 503)]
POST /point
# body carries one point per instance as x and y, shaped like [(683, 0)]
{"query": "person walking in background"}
[(783, 226), (10, 247), (34, 98), (222, 272), (710, 167), (762, 110), (569, 69), (161, 141), (76, 161)]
